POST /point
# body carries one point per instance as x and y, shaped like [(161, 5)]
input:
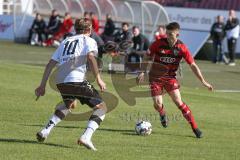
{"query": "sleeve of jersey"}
[(92, 47), (56, 54), (152, 50), (187, 55)]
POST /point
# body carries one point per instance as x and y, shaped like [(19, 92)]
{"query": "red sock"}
[(160, 110), (188, 115)]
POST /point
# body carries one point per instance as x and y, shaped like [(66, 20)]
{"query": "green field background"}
[(217, 114)]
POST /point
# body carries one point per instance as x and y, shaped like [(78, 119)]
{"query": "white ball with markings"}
[(143, 128)]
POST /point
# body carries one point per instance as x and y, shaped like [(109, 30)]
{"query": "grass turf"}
[(217, 114)]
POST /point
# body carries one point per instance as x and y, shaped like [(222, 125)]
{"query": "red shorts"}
[(157, 87)]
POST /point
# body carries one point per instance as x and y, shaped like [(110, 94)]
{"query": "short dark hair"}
[(173, 26), (54, 10), (85, 13), (135, 27), (125, 23), (67, 13), (92, 13)]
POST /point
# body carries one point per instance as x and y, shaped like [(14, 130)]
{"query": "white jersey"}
[(71, 56)]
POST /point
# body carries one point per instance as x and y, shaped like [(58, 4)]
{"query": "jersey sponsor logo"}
[(167, 59)]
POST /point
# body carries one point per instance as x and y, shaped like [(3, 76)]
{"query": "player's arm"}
[(147, 59), (94, 67), (144, 67), (40, 90), (194, 67), (199, 75)]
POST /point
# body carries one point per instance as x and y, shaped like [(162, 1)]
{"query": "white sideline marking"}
[(228, 91)]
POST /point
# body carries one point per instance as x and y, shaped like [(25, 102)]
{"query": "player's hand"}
[(40, 91), (101, 84), (209, 86), (140, 78)]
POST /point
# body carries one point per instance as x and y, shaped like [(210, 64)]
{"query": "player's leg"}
[(157, 92), (159, 107), (176, 97), (92, 99), (61, 111), (93, 124)]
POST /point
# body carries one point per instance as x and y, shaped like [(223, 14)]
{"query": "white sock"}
[(54, 120), (91, 128)]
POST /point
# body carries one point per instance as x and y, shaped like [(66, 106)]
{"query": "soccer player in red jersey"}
[(166, 55)]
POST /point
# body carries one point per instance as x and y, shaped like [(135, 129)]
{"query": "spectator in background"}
[(108, 29), (123, 34), (95, 22), (37, 28), (140, 44), (217, 35), (53, 24), (100, 44), (86, 15), (161, 32), (232, 29), (64, 29)]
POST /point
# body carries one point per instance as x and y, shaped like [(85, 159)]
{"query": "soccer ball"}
[(143, 128)]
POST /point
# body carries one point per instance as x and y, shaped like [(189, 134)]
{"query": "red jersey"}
[(95, 24), (166, 59), (160, 36), (66, 26)]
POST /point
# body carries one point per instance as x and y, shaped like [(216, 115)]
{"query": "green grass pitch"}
[(217, 114)]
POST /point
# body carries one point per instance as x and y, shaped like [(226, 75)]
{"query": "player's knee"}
[(178, 103), (70, 104), (157, 104), (98, 115), (101, 106), (73, 105), (62, 111)]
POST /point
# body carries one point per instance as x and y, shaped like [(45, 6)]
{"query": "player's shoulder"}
[(181, 44), (81, 37), (90, 40), (161, 41)]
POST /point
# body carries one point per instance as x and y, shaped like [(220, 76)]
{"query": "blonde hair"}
[(83, 25)]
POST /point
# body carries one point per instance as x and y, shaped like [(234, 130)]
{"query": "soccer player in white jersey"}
[(71, 57)]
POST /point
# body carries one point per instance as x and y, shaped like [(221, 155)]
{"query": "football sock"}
[(91, 128), (54, 120), (188, 115), (94, 122), (160, 110)]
